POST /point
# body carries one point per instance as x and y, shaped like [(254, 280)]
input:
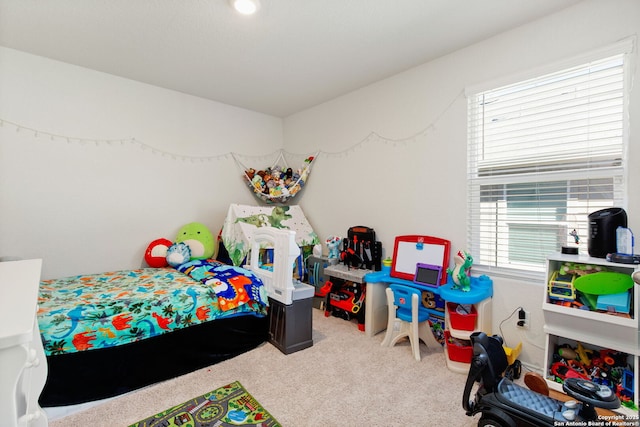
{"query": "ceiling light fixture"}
[(246, 7)]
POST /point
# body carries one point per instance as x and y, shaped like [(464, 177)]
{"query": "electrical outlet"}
[(523, 319)]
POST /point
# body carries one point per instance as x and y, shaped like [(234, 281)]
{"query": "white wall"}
[(419, 187), (86, 208)]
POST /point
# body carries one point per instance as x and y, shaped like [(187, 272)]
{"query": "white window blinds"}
[(543, 154)]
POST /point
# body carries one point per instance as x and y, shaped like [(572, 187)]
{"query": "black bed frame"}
[(96, 374)]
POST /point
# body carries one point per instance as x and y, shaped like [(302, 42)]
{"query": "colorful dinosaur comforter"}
[(115, 308)]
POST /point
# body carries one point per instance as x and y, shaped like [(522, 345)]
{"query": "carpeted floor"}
[(344, 379)]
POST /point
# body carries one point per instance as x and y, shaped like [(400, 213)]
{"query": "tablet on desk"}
[(428, 275)]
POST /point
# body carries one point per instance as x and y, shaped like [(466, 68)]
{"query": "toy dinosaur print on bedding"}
[(115, 308), (233, 285)]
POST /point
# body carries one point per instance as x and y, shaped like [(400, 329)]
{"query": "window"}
[(543, 153)]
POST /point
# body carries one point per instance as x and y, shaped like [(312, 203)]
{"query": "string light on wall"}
[(372, 137)]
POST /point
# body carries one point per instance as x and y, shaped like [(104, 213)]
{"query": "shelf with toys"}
[(614, 322), (590, 307), (569, 355)]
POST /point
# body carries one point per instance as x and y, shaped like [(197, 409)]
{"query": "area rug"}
[(230, 405)]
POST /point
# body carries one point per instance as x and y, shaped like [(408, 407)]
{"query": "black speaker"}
[(602, 231)]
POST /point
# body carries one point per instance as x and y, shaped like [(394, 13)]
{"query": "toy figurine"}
[(575, 236), (333, 243), (460, 273)]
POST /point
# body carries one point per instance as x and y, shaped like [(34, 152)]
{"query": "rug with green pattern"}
[(230, 405)]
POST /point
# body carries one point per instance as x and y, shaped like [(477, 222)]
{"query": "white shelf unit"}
[(594, 329)]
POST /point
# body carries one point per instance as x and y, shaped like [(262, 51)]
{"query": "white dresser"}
[(23, 365)]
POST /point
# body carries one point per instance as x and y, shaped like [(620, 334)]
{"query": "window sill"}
[(531, 277)]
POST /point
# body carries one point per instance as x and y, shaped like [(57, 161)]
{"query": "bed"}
[(111, 333)]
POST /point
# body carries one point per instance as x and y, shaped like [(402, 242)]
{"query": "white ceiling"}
[(292, 55)]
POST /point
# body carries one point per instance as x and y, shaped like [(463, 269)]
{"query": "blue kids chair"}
[(408, 318)]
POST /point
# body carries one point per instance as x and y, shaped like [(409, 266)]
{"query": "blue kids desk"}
[(481, 288), (479, 296)]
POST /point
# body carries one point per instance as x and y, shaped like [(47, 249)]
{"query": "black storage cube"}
[(290, 326)]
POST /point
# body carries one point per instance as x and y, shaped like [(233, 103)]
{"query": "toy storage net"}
[(279, 182)]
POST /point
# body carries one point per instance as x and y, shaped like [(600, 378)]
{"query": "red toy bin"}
[(463, 322), (456, 350)]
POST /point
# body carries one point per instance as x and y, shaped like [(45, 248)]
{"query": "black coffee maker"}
[(602, 231)]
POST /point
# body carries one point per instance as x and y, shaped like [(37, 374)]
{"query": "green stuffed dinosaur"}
[(199, 239)]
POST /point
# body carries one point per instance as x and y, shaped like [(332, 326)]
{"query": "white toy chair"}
[(408, 318)]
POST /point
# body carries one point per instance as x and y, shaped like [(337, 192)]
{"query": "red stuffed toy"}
[(156, 254)]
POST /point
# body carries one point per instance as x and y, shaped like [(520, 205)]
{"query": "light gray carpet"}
[(344, 379)]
